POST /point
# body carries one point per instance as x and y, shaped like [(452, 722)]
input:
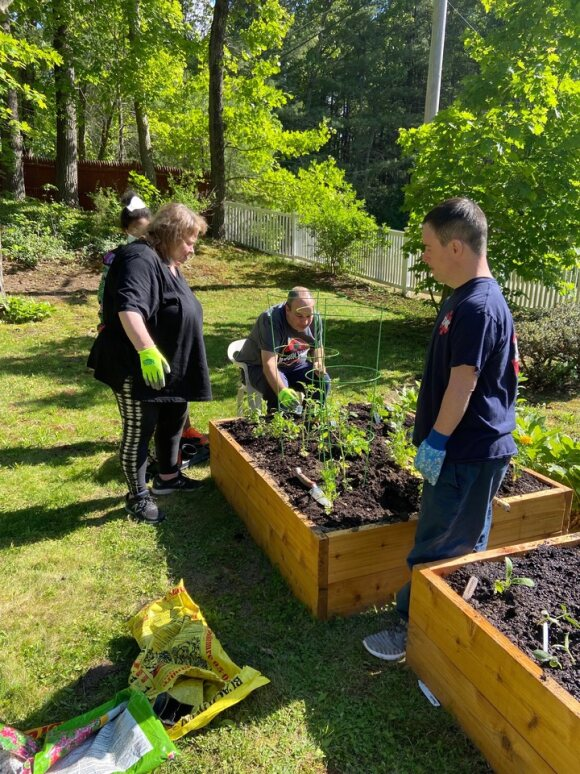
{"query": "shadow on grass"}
[(36, 523), (96, 686), (56, 456), (253, 275), (401, 351)]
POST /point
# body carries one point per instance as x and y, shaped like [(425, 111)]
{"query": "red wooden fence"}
[(92, 175)]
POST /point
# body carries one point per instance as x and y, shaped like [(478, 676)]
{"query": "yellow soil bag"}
[(181, 656)]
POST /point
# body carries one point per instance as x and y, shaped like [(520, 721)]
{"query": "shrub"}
[(185, 191), (28, 243), (546, 450), (550, 346), (16, 309), (145, 189), (106, 216), (327, 205), (37, 231)]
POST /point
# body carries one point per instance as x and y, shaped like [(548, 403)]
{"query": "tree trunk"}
[(82, 125), (66, 120), (216, 120), (12, 148), (121, 138), (2, 288), (12, 140), (105, 131), (145, 149)]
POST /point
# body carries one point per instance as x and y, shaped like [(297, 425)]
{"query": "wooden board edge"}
[(446, 566)]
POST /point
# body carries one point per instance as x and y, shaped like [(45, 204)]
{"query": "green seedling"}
[(329, 474), (256, 419), (282, 427), (556, 619), (501, 585), (566, 648), (546, 658), (565, 616)]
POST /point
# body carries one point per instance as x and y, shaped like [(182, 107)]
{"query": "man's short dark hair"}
[(459, 218)]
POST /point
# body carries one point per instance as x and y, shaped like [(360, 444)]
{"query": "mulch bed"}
[(517, 612), (380, 491)]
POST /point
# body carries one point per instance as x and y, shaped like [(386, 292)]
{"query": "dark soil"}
[(517, 612), (519, 485), (379, 492)]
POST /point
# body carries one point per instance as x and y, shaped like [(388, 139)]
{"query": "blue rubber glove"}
[(430, 456)]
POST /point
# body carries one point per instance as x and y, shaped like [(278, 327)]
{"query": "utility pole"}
[(435, 59)]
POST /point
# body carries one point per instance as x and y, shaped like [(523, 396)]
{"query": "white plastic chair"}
[(253, 396)]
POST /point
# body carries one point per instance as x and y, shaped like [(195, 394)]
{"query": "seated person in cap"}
[(284, 351)]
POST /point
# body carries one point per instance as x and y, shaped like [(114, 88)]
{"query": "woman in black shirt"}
[(152, 354)]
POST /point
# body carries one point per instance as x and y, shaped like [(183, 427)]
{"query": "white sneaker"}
[(390, 644)]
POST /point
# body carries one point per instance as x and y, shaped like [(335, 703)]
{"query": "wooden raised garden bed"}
[(348, 570), (521, 719)]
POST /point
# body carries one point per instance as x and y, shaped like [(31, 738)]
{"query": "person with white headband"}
[(135, 217)]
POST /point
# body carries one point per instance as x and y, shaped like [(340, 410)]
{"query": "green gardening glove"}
[(289, 399), (153, 367)]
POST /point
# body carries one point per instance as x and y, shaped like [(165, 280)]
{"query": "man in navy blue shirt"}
[(466, 405)]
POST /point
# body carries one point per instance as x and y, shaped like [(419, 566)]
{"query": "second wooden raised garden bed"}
[(521, 719), (348, 570)]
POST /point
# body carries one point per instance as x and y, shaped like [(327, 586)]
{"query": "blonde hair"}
[(172, 223)]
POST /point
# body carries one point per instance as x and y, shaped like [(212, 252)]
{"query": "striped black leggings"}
[(141, 420)]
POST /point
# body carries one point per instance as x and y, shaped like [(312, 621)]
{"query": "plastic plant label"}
[(428, 694)]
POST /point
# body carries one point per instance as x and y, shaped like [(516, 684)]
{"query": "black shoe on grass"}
[(178, 484), (193, 454), (143, 509)]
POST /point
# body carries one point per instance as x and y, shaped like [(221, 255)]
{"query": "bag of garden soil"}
[(182, 667), (17, 751), (121, 735)]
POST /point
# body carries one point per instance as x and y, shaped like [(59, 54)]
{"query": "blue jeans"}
[(292, 378), (455, 515)]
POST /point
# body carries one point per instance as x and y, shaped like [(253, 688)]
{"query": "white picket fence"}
[(280, 233)]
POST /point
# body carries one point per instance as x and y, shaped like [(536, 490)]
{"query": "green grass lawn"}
[(73, 569)]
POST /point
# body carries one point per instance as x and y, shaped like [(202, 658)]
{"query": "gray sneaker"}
[(143, 509), (390, 644)]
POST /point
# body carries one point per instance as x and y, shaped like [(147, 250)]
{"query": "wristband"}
[(437, 440)]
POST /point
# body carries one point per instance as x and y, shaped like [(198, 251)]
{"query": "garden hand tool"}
[(153, 367), (430, 456), (313, 489)]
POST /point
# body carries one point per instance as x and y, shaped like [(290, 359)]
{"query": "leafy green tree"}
[(15, 55), (326, 204), (255, 139), (510, 141), (362, 66)]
